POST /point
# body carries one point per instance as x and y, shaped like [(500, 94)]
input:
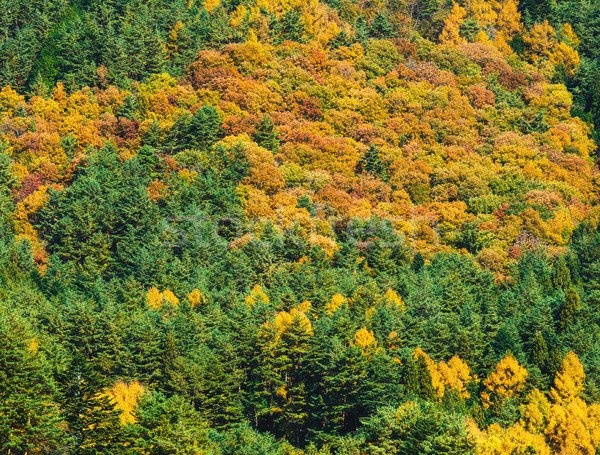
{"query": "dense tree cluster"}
[(299, 228)]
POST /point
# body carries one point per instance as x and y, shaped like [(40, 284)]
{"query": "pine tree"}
[(569, 308), (198, 131), (428, 8), (340, 40), (362, 30), (168, 425), (29, 416), (92, 421), (539, 353), (381, 27), (266, 135), (290, 27), (129, 108), (371, 163), (417, 263), (418, 378)]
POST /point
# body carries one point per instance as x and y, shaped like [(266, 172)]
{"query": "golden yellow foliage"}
[(365, 339), (393, 297), (539, 41), (327, 244), (569, 381), (337, 300), (569, 36), (33, 346), (125, 398), (534, 414), (514, 440), (507, 380), (257, 295), (509, 18), (369, 312), (9, 101), (156, 299), (573, 428), (450, 32), (196, 298), (563, 54), (456, 374), (284, 320), (483, 12), (305, 306), (210, 5)]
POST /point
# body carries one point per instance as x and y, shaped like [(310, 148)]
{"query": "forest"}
[(284, 227)]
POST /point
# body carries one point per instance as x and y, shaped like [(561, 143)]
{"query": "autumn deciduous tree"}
[(569, 380), (534, 413), (451, 31), (506, 381)]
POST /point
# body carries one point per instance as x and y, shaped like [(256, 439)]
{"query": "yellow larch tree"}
[(539, 41), (456, 374), (507, 380), (563, 54), (156, 299), (337, 300), (284, 320), (514, 440), (534, 413), (483, 12), (451, 31), (365, 340), (125, 397), (257, 295), (196, 298), (574, 428), (508, 23), (569, 381), (393, 298)]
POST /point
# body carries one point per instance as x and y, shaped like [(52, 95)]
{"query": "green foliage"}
[(289, 28), (114, 194), (266, 136), (371, 163), (29, 417), (198, 131), (416, 428)]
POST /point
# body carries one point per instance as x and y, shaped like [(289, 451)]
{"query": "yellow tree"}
[(456, 374), (534, 414), (514, 440), (507, 380), (568, 36), (539, 41), (337, 300), (196, 298), (483, 12), (365, 340), (125, 398), (450, 33), (508, 23), (569, 381), (573, 428), (257, 295), (156, 299), (563, 54)]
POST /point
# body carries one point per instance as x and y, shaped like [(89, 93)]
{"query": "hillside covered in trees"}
[(292, 227)]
